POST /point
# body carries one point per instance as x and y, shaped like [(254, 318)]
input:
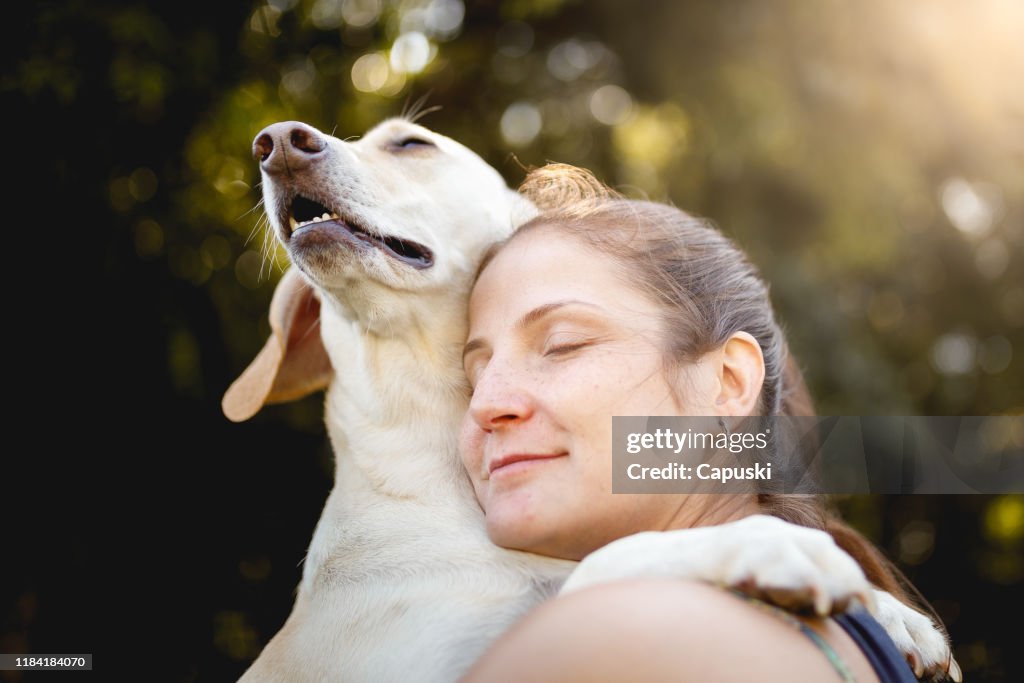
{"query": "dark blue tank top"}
[(877, 646)]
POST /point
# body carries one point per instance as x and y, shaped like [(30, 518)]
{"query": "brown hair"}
[(708, 290)]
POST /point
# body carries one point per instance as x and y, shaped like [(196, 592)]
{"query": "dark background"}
[(869, 156)]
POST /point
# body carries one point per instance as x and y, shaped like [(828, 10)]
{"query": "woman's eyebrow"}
[(541, 311), (530, 318)]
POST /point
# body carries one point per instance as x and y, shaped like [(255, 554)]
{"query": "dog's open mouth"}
[(305, 214)]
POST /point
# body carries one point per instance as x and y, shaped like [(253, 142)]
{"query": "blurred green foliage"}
[(868, 155)]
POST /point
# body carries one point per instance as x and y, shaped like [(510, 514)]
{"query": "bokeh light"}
[(521, 123)]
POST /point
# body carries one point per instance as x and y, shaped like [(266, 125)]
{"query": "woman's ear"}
[(740, 375)]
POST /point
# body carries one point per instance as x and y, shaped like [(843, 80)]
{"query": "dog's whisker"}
[(269, 256), (263, 257), (280, 266), (252, 232), (262, 222), (428, 110), (417, 111), (258, 205)]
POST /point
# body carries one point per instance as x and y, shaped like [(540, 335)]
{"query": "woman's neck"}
[(712, 510)]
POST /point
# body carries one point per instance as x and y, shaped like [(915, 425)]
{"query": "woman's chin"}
[(518, 529), (541, 537), (509, 533)]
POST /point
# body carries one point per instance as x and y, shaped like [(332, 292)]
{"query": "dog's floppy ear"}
[(293, 362)]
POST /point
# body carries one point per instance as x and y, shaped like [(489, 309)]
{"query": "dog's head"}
[(387, 231), (399, 211)]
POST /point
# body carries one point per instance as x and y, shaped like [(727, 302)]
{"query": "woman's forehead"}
[(544, 266), (537, 260)]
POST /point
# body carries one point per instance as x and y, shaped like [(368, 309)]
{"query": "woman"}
[(602, 307)]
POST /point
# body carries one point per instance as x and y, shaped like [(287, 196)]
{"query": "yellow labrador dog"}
[(401, 582)]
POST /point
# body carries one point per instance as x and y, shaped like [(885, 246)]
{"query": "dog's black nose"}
[(287, 146)]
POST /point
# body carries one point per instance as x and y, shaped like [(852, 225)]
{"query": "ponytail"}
[(794, 398), (809, 510)]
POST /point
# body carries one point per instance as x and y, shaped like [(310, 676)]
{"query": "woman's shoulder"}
[(660, 630)]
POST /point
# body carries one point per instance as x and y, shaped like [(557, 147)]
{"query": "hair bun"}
[(558, 186)]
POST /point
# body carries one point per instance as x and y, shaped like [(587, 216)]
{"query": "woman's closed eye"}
[(563, 349), (560, 345)]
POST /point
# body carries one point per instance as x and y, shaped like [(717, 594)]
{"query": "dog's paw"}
[(791, 566), (918, 639)]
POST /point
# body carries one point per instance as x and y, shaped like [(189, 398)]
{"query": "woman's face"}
[(558, 344)]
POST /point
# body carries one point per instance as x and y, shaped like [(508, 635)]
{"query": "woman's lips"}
[(511, 459)]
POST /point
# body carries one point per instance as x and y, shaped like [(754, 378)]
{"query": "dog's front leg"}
[(789, 565), (785, 564)]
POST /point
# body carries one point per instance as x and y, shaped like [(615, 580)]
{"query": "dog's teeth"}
[(316, 219), (292, 222), (326, 216)]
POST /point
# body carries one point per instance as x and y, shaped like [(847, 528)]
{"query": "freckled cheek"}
[(600, 390), (607, 371), (578, 380)]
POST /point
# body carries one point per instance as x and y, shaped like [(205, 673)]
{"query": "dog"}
[(400, 580)]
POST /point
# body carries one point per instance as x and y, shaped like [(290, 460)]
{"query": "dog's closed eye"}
[(411, 143)]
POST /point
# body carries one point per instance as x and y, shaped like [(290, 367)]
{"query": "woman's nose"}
[(499, 401)]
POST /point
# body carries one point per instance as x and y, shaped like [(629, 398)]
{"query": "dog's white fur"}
[(401, 582)]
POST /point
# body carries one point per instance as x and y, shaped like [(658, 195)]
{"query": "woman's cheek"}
[(471, 450), (471, 447)]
